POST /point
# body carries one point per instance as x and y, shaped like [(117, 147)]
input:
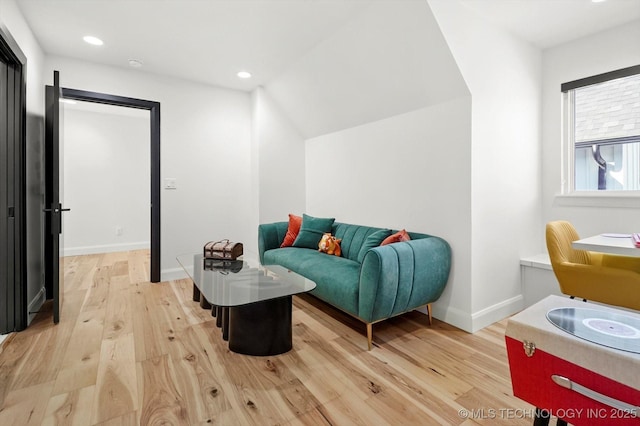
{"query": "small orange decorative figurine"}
[(330, 245)]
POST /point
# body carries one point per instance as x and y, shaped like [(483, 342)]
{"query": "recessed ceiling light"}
[(93, 40), (244, 74), (597, 1), (135, 63)]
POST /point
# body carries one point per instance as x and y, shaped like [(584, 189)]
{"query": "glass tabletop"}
[(243, 281)]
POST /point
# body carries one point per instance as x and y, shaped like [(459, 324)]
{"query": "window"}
[(603, 130)]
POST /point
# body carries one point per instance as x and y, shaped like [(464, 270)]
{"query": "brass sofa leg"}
[(429, 313), (369, 334)]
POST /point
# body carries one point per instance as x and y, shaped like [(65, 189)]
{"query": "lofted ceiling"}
[(209, 41), (547, 23)]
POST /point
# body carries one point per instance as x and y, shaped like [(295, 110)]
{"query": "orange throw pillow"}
[(292, 231), (396, 238)]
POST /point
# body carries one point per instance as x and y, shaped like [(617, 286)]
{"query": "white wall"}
[(106, 179), (464, 168), (409, 171), (585, 57), (12, 19), (205, 145), (504, 76), (386, 117), (281, 161), (393, 139)]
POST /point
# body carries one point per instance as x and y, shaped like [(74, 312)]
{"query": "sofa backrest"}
[(354, 236)]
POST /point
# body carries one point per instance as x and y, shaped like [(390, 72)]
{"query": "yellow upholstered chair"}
[(605, 278)]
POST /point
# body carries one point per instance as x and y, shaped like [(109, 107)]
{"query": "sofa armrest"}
[(399, 277), (270, 236)]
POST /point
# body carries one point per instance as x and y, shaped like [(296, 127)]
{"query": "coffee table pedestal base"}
[(261, 328)]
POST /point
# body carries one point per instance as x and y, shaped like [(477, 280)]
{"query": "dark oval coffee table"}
[(252, 303)]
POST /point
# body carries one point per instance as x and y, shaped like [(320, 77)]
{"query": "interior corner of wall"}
[(453, 316), (272, 103), (496, 312)]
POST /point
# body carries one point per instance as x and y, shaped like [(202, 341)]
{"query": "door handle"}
[(56, 218), (56, 210)]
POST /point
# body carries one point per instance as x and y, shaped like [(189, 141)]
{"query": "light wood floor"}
[(129, 352)]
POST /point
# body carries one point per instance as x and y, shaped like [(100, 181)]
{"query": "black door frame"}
[(154, 109), (16, 236)]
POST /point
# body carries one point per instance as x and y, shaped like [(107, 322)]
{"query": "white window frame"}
[(568, 149), (569, 196)]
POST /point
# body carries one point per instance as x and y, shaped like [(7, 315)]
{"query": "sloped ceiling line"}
[(388, 60)]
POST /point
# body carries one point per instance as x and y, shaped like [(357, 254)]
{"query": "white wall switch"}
[(170, 183)]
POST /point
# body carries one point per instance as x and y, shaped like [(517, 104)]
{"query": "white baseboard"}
[(173, 274), (35, 305), (497, 312), (478, 320), (453, 316), (106, 248)]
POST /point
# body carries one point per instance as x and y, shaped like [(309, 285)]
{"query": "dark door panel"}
[(13, 303), (5, 286), (54, 271)]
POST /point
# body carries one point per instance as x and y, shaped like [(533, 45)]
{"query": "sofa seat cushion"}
[(337, 278)]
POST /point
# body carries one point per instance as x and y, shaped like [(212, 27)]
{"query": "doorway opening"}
[(154, 113), (106, 179)]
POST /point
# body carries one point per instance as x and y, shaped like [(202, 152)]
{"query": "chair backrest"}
[(560, 234)]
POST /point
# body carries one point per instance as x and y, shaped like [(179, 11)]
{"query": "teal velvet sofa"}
[(371, 284)]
